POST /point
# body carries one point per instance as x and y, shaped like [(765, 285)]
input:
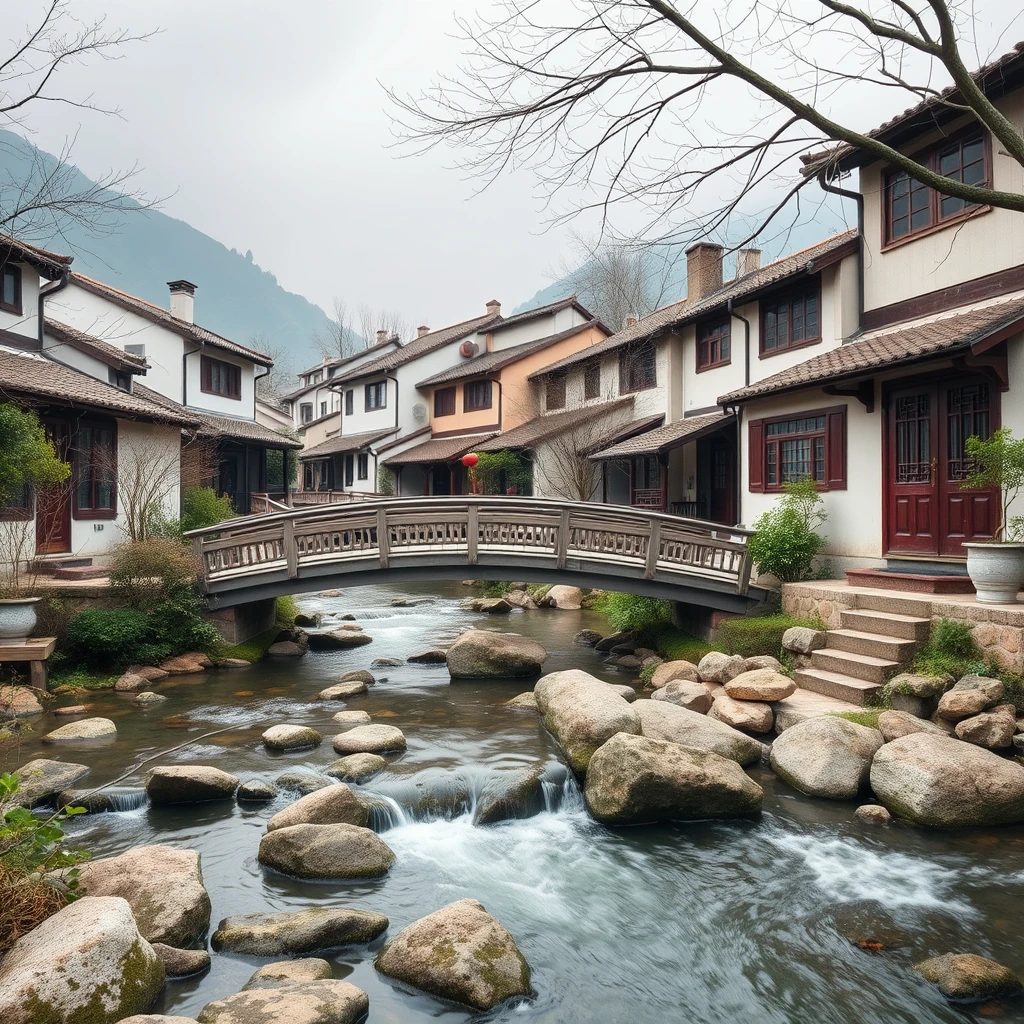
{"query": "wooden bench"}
[(35, 651)]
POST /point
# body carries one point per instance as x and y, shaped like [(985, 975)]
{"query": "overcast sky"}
[(265, 124)]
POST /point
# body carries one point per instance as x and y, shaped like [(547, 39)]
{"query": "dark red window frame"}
[(15, 271), (554, 392), (592, 381), (638, 368), (217, 377), (790, 319), (477, 395), (94, 469), (714, 344), (444, 402), (816, 438)]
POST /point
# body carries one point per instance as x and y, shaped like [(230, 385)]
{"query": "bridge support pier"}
[(244, 621), (699, 620)]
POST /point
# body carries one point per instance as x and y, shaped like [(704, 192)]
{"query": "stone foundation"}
[(244, 621)]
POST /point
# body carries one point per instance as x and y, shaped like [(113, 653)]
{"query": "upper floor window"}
[(911, 208), (791, 319), (219, 378), (350, 402), (476, 395), (331, 371), (323, 408), (592, 381), (317, 377), (10, 288), (306, 412), (714, 343), (136, 350), (554, 396), (637, 368), (376, 396), (444, 402)]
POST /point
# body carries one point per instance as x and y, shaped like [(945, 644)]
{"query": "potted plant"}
[(996, 567)]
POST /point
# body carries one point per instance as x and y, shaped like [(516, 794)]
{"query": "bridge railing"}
[(391, 531)]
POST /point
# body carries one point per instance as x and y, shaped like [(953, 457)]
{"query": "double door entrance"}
[(928, 512)]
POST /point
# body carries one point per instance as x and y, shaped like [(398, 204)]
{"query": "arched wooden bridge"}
[(539, 540)]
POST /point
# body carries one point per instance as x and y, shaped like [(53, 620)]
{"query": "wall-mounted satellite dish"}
[(468, 349), (419, 412)]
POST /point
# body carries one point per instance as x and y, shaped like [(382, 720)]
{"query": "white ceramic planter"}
[(996, 570), (17, 617)]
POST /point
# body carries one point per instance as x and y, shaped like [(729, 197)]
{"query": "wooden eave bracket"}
[(862, 390)]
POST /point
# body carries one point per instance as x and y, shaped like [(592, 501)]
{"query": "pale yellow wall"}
[(316, 433)]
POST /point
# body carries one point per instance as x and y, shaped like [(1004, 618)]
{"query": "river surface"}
[(721, 922)]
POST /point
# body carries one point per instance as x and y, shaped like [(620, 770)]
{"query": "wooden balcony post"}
[(472, 532), (291, 553), (382, 537), (653, 550), (562, 540)]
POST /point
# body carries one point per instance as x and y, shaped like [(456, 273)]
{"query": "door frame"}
[(61, 491)]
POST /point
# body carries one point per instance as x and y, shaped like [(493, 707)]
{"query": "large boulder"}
[(587, 638), (826, 756), (181, 963), (297, 932), (720, 668), (941, 782), (19, 702), (970, 696), (338, 640), (326, 851), (189, 784), (508, 794), (764, 684), (634, 779), (288, 972), (350, 719), (326, 806), (482, 654), (286, 649), (748, 715), (669, 671), (894, 724), (993, 730), (687, 694), (582, 712), (969, 978), (291, 737), (803, 640), (86, 963), (369, 739), (563, 597), (84, 730), (157, 1018), (163, 886), (661, 720), (302, 781), (459, 953), (311, 1002), (39, 781), (356, 767)]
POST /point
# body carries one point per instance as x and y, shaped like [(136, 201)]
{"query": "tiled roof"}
[(335, 363), (664, 438), (418, 347), (96, 347), (244, 430), (157, 315), (25, 373), (337, 445), (895, 346), (806, 261), (540, 428), (552, 307), (489, 362), (438, 449), (50, 264)]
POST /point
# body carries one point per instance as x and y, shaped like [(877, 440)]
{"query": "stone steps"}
[(837, 685), (859, 666), (906, 627), (875, 645)]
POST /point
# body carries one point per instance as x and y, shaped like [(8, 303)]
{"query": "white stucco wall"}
[(69, 356), (531, 330), (241, 408)]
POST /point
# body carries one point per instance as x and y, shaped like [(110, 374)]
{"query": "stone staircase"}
[(877, 639)]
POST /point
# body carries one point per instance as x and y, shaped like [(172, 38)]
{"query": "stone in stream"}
[(490, 605), (763, 684), (70, 709), (302, 780), (369, 739), (624, 637), (297, 932), (287, 972), (636, 779), (356, 767), (181, 963), (482, 654), (459, 953), (131, 681), (520, 599), (969, 978), (358, 675), (386, 662), (351, 718), (527, 700), (187, 664), (39, 781), (894, 724), (189, 784), (432, 657), (256, 791), (993, 730), (326, 851), (302, 619), (874, 813), (286, 649), (748, 715), (163, 886), (99, 801), (826, 756), (941, 782), (87, 963), (509, 794), (149, 697), (687, 694), (291, 737), (324, 807), (312, 1002), (582, 712), (563, 597), (342, 691), (669, 671), (587, 638), (337, 640), (85, 730), (720, 668), (661, 720)]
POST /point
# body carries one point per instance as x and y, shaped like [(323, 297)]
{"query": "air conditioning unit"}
[(419, 412), (468, 349)]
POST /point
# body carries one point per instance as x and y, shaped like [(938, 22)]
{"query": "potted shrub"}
[(996, 567)]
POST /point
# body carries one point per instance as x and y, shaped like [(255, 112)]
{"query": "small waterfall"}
[(386, 813), (563, 796), (125, 798)]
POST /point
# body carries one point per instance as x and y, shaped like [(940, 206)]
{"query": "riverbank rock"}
[(163, 886), (289, 972), (874, 813), (297, 932), (826, 756), (131, 681), (687, 694), (311, 1002), (720, 668), (521, 599), (428, 658), (148, 697), (587, 638), (369, 739), (970, 696), (894, 724), (326, 806), (351, 718), (186, 664), (527, 701), (150, 673), (39, 781), (256, 791), (19, 702), (625, 691), (993, 730), (661, 720), (302, 780), (87, 962), (804, 640), (181, 963), (291, 737), (567, 599), (338, 640), (636, 779), (286, 649), (582, 712), (481, 654), (938, 781), (624, 637), (764, 684), (326, 851), (669, 671), (189, 784), (459, 953), (490, 605), (342, 691), (508, 794), (85, 730), (356, 767), (969, 978), (748, 715)]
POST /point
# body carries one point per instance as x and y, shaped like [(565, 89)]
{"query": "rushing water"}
[(716, 922)]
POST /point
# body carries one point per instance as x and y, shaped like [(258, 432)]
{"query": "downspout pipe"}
[(44, 293), (858, 198), (739, 408), (258, 377), (184, 372)]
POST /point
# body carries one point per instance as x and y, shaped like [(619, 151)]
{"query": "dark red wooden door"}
[(723, 481), (53, 505)]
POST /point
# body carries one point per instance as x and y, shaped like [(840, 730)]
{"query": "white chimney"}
[(747, 261), (421, 330), (494, 308), (183, 295)]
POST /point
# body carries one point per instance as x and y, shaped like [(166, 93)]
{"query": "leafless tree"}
[(696, 112), (281, 378), (147, 472), (338, 338), (373, 320)]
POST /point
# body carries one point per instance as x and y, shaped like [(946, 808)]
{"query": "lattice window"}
[(913, 439), (968, 414)]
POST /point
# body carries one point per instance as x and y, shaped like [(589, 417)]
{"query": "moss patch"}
[(867, 718), (252, 649), (81, 679), (673, 644)]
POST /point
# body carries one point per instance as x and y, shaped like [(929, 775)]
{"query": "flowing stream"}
[(719, 922)]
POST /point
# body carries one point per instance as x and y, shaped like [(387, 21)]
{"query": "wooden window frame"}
[(444, 401), (709, 334), (234, 378), (378, 387), (591, 371), (936, 221), (477, 406), (92, 512), (834, 431), (363, 466), (15, 307), (629, 359), (775, 300), (555, 393), (323, 409), (302, 416)]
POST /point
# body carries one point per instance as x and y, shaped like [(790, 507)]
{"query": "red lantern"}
[(470, 460)]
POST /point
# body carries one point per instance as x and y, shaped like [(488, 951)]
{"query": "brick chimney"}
[(421, 330), (747, 261), (183, 295), (703, 270), (494, 308), (630, 321), (382, 336)]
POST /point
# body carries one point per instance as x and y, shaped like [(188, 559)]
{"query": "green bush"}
[(629, 611), (385, 481), (286, 608), (179, 625), (759, 635), (673, 644), (497, 472), (27, 458), (203, 506), (785, 540), (145, 573), (951, 650), (107, 637)]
